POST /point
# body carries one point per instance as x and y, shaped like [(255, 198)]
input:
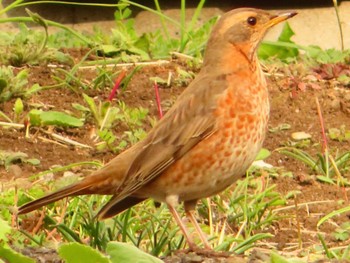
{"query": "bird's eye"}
[(251, 20)]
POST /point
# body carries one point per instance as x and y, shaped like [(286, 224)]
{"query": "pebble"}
[(15, 170), (299, 136), (335, 104)]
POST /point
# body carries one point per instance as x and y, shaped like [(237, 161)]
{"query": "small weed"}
[(18, 109), (341, 253), (321, 165), (107, 116), (15, 85), (28, 47), (325, 166), (328, 56), (302, 144), (8, 157), (341, 134), (342, 233), (108, 140), (99, 112), (280, 127), (184, 77), (125, 38), (159, 44)]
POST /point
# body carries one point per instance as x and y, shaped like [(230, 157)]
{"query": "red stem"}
[(116, 85), (159, 106), (324, 138)]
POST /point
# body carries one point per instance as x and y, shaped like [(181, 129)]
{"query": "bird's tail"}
[(105, 181), (78, 188)]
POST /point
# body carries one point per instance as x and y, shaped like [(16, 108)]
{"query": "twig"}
[(113, 65), (51, 141), (13, 125), (181, 55), (300, 242), (324, 138), (14, 217), (66, 140), (303, 204), (39, 223), (60, 220), (335, 3)]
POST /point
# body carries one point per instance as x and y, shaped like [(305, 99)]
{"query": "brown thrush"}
[(206, 141)]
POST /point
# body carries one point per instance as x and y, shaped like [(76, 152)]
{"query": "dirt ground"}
[(293, 90)]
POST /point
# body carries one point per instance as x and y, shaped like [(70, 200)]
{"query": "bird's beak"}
[(278, 18)]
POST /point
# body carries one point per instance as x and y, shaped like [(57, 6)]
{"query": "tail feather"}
[(104, 181), (109, 211), (71, 190)]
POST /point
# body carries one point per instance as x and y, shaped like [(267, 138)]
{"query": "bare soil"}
[(292, 102)]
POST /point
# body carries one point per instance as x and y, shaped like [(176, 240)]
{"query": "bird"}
[(205, 142)]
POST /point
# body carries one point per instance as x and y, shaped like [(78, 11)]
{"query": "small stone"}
[(299, 136), (335, 104), (347, 97), (262, 164), (15, 170)]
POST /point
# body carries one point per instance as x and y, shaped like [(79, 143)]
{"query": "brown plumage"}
[(206, 141)]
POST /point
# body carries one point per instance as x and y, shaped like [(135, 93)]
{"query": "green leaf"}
[(109, 50), (34, 117), (4, 230), (342, 236), (9, 255), (268, 50), (33, 89), (332, 214), (3, 84), (77, 253), (8, 157), (18, 108), (33, 161), (325, 179), (80, 107), (126, 13), (143, 44), (249, 242), (60, 119), (275, 258), (344, 79), (39, 117), (37, 18), (123, 252), (263, 154), (91, 103), (286, 34), (327, 56)]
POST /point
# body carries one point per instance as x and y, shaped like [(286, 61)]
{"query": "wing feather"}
[(188, 122)]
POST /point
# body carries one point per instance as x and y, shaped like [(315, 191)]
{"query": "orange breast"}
[(218, 161)]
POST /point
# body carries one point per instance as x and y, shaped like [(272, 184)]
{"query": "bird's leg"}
[(207, 251), (172, 202), (189, 208)]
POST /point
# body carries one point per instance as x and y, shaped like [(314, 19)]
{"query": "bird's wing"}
[(188, 122)]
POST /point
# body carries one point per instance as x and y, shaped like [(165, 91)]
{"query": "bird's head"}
[(243, 29)]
